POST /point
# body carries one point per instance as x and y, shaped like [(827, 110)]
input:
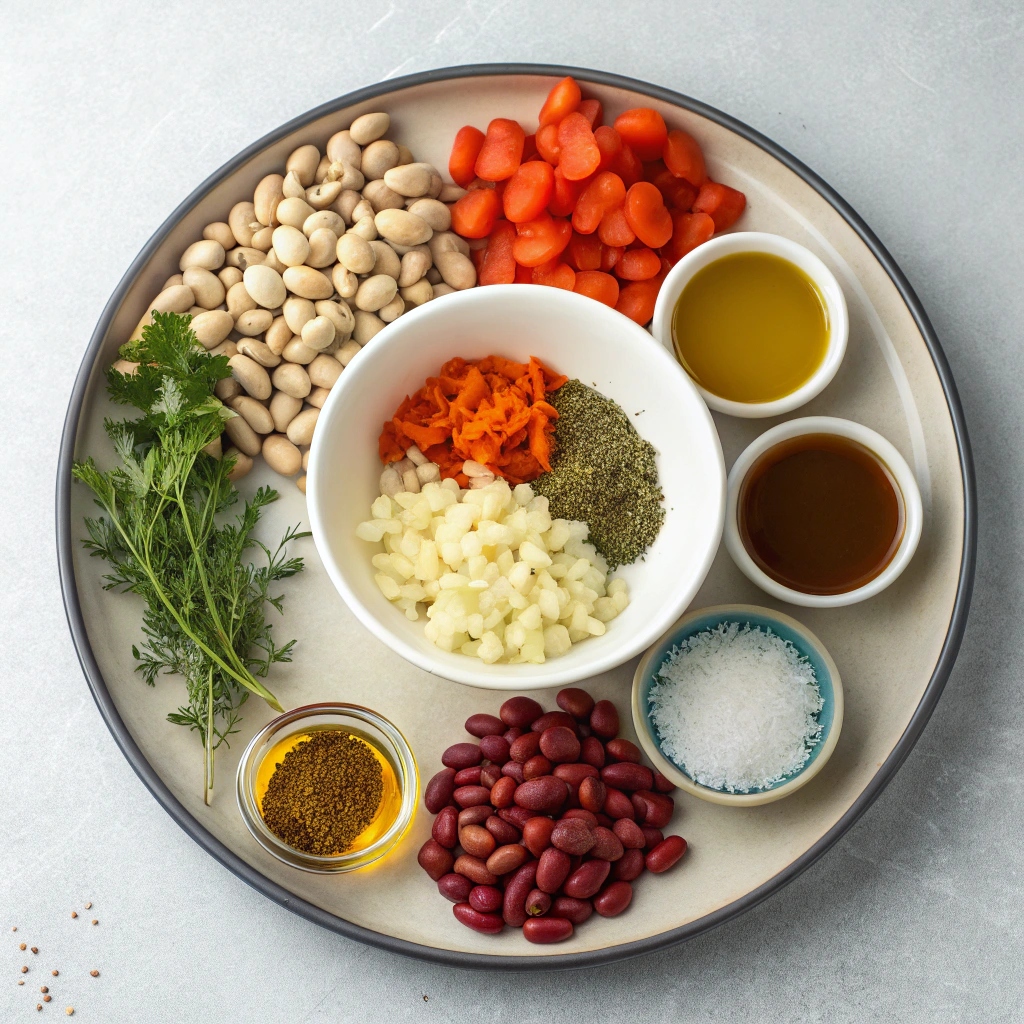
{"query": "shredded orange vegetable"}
[(492, 411)]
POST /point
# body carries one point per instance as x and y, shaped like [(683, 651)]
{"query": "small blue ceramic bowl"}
[(806, 643)]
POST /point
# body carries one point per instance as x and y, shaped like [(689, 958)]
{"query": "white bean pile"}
[(297, 281)]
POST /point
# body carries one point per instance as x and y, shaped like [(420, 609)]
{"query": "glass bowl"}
[(380, 836)]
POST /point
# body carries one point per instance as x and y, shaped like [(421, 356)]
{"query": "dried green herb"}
[(324, 793), (166, 538), (603, 472)]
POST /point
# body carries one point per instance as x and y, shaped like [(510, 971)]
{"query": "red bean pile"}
[(555, 817)]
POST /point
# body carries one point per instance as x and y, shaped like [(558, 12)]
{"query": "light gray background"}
[(113, 114)]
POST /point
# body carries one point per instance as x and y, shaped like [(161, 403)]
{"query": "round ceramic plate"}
[(895, 652)]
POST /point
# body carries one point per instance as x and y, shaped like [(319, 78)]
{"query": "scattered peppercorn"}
[(39, 1006), (22, 946), (95, 921), (74, 913), (46, 999), (43, 989), (35, 949), (94, 974), (24, 970), (603, 473), (88, 906), (20, 981), (55, 973), (70, 1010), (324, 793)]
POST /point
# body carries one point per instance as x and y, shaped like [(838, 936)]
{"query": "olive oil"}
[(821, 514), (751, 327)]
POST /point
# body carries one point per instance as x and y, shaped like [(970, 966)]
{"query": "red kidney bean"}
[(518, 887), (592, 752), (489, 924), (559, 744), (537, 903), (462, 755), (435, 859), (629, 833), (474, 869), (486, 898), (665, 854), (546, 794), (517, 816), (578, 812), (603, 819), (624, 775), (511, 735), (604, 719), (474, 815), (585, 880), (506, 859), (575, 701), (607, 845), (618, 749), (484, 725), (583, 730), (468, 777), (503, 792), (613, 899), (503, 832), (629, 866), (661, 784), (537, 767), (547, 929), (639, 808), (439, 790), (470, 796), (659, 808), (445, 829), (494, 748), (574, 774), (513, 770), (454, 887), (573, 836), (571, 909), (652, 836), (592, 793), (489, 775), (553, 719), (618, 805), (520, 712), (525, 747), (537, 835), (552, 870), (477, 841)]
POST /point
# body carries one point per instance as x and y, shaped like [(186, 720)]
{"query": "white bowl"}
[(575, 336), (760, 241), (870, 439)]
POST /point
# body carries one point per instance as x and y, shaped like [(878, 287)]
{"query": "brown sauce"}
[(820, 514)]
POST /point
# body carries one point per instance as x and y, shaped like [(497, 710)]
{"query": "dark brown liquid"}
[(820, 514)]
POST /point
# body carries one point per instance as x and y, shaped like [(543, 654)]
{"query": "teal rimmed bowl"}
[(807, 644)]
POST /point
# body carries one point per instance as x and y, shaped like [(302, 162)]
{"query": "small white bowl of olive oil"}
[(758, 322)]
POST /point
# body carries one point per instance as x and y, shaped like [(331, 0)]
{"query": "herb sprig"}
[(165, 536)]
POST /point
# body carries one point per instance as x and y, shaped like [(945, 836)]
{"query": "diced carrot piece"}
[(584, 252), (610, 145), (538, 241), (643, 130), (678, 193), (597, 285), (721, 203), (563, 99), (579, 156), (604, 193), (502, 150), (638, 265), (647, 216), (610, 256), (593, 111), (638, 298), (556, 274), (627, 165), (465, 150), (473, 215), (498, 265), (546, 141), (529, 191), (688, 231), (564, 194), (614, 229), (683, 157)]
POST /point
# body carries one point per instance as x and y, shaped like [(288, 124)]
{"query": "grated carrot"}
[(492, 411)]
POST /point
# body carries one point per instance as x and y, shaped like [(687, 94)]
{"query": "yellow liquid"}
[(391, 797), (751, 327)]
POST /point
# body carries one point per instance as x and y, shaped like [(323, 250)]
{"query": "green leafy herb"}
[(166, 538)]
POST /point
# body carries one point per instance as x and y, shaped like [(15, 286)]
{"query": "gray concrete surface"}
[(112, 112)]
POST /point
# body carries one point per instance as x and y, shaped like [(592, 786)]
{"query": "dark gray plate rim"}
[(67, 536)]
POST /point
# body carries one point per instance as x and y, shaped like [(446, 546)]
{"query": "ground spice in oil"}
[(324, 793), (603, 472)]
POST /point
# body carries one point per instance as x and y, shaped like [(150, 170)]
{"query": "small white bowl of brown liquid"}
[(758, 322)]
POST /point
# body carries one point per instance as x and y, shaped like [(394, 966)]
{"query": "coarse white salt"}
[(735, 707)]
